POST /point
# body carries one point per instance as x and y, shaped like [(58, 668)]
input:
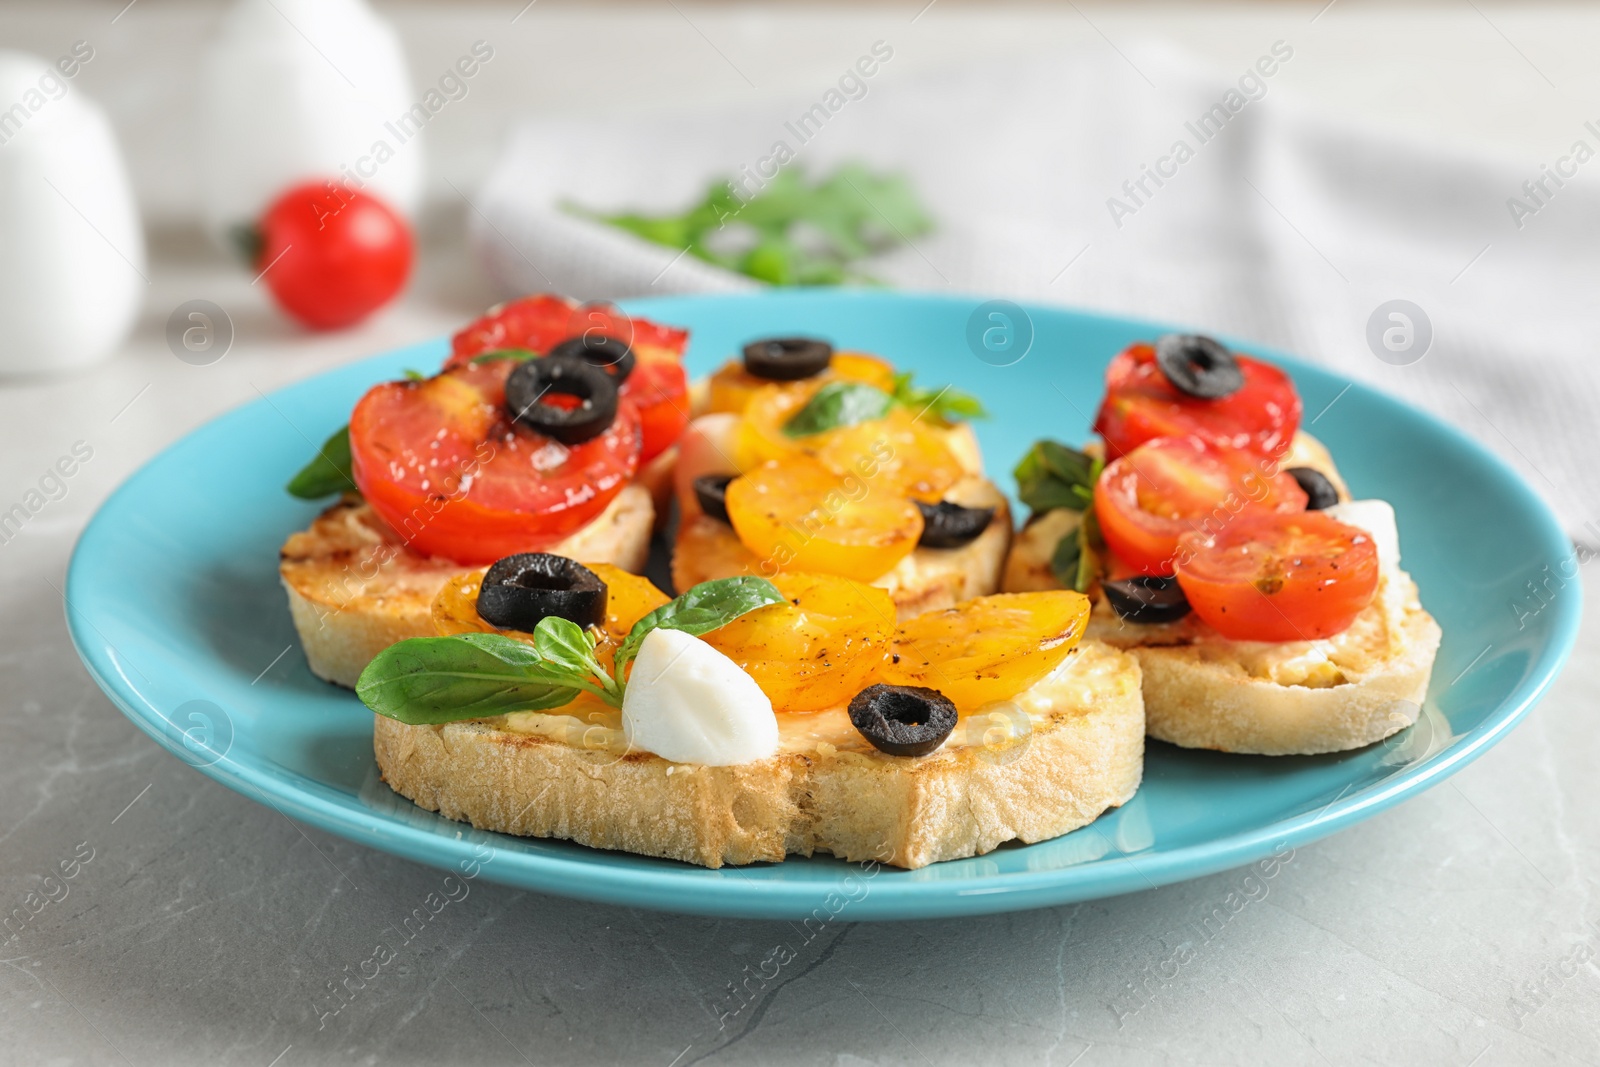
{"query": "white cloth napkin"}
[(1283, 227)]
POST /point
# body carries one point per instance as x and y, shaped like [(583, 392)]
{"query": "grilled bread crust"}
[(963, 800), (1200, 700)]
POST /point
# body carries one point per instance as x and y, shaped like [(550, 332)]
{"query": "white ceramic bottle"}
[(300, 89), (72, 259)]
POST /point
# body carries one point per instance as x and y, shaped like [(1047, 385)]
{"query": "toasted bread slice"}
[(1222, 699), (1072, 747), (1202, 690), (929, 579), (1284, 698), (355, 589)]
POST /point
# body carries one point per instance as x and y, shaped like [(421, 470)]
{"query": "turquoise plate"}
[(175, 607)]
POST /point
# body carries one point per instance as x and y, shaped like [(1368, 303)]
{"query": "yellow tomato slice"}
[(818, 648), (733, 387), (760, 437), (629, 598), (455, 607), (800, 516), (860, 367), (898, 453), (988, 648)]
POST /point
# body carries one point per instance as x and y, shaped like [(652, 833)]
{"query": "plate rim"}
[(723, 892)]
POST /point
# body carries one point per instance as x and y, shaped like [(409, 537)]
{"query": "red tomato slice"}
[(535, 322), (1141, 405), (658, 385), (443, 465), (1171, 486), (1277, 577), (659, 388)]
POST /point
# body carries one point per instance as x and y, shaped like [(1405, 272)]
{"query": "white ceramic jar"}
[(301, 89), (72, 257)]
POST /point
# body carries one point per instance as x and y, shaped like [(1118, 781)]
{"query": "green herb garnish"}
[(1076, 560), (948, 405), (789, 231), (520, 354), (846, 403), (1065, 561), (838, 404), (432, 680), (1054, 476), (706, 607), (328, 473)]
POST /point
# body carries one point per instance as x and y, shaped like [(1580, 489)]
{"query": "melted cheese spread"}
[(1090, 675)]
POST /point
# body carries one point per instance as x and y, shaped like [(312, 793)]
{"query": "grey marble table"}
[(171, 921)]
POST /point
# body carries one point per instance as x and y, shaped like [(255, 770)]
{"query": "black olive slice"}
[(595, 389), (1320, 492), (787, 359), (598, 350), (520, 590), (1147, 598), (903, 720), (948, 525), (1198, 366), (711, 490)]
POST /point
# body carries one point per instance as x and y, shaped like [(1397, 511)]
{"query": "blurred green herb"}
[(838, 404), (1052, 475), (948, 404), (1076, 560), (793, 231), (520, 354), (328, 472)]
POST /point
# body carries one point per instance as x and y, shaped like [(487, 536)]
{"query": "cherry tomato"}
[(1141, 405), (658, 385), (816, 649), (1278, 577), (988, 648), (332, 256), (442, 463), (1170, 486), (799, 515)]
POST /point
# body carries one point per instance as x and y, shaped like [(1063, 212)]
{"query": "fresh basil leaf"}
[(565, 645), (838, 404), (519, 354), (432, 680), (1052, 476), (1091, 550), (947, 405), (1068, 554), (328, 473), (1076, 560), (703, 608)]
